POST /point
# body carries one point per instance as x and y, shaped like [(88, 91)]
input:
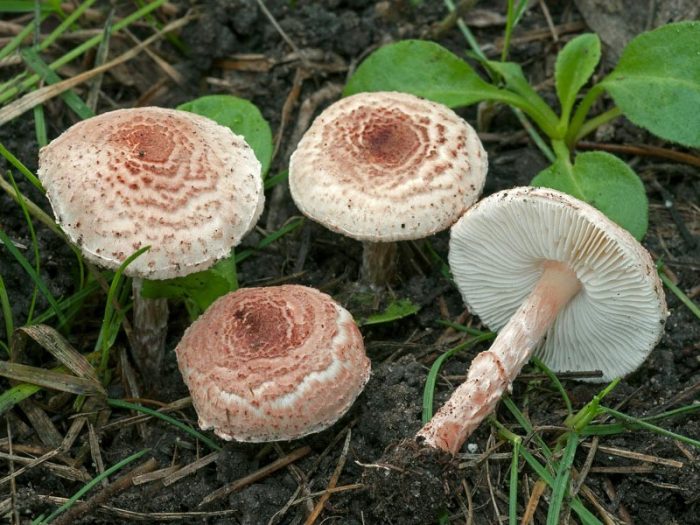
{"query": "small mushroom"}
[(554, 276), (384, 167), (276, 363), (178, 182)]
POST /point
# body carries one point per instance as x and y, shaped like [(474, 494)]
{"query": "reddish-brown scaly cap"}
[(387, 166), (276, 363), (179, 182)]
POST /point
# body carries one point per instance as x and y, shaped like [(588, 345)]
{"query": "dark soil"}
[(338, 34)]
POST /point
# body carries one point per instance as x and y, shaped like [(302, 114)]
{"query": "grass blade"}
[(269, 239), (49, 379), (17, 40), (110, 321), (35, 244), (586, 515), (32, 274), (641, 424), (555, 380), (21, 167), (513, 489), (10, 397), (118, 403), (34, 61), (431, 380), (6, 310), (88, 486), (561, 483), (678, 292)]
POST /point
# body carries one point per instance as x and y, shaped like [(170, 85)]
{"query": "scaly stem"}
[(379, 261), (150, 327), (492, 372)]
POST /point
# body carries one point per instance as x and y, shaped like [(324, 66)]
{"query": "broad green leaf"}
[(242, 117), (656, 84), (396, 310), (605, 182), (425, 69), (200, 289), (575, 65)]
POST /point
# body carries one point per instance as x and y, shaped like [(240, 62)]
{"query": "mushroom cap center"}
[(391, 141), (145, 142), (266, 329)]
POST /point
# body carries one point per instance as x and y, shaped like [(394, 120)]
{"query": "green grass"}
[(118, 403), (89, 486)]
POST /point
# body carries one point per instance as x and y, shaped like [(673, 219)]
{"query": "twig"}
[(533, 502), (638, 456), (95, 452), (331, 483), (119, 485), (284, 35), (13, 487), (470, 503), (690, 241), (191, 468), (255, 476), (548, 18), (643, 150), (41, 95)]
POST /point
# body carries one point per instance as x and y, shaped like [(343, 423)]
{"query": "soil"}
[(338, 34)]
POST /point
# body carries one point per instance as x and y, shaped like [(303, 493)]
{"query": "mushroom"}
[(384, 167), (175, 181), (276, 363), (555, 277)]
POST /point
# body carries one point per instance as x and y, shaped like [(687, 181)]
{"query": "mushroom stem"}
[(379, 263), (492, 371), (150, 327)]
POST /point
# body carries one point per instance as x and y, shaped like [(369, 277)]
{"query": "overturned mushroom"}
[(554, 276), (384, 167), (178, 182), (276, 363)]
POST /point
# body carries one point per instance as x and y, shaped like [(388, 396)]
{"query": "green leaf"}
[(425, 69), (242, 117), (605, 182), (396, 310), (200, 288), (656, 84), (575, 65)]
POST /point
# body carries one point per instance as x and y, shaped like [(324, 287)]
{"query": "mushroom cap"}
[(496, 253), (179, 182), (276, 363), (387, 166)]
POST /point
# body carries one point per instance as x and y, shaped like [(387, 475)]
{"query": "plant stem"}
[(581, 112), (468, 35), (532, 132), (596, 122)]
